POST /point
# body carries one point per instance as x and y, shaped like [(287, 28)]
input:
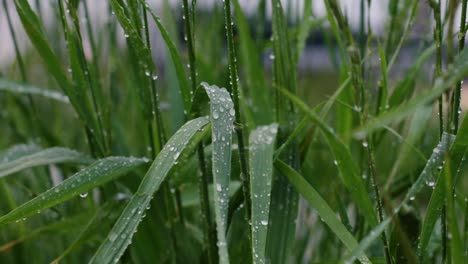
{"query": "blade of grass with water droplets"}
[(179, 67), (121, 234), (17, 151), (456, 154), (426, 177), (23, 88), (323, 209), (222, 118), (454, 73), (98, 173), (43, 157), (261, 150), (349, 171)]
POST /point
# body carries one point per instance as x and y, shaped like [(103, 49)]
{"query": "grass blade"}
[(98, 173), (44, 157), (222, 118), (121, 234), (456, 72), (457, 151), (261, 149), (349, 171), (178, 65), (426, 177), (22, 88), (323, 209)]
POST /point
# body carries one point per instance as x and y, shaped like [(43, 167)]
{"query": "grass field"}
[(226, 152)]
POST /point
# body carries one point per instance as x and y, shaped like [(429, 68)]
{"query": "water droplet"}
[(83, 195), (264, 222)]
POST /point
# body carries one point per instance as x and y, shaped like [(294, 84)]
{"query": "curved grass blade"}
[(121, 234), (450, 78), (222, 118), (23, 88), (178, 65), (18, 151), (261, 150), (48, 156), (98, 173), (457, 151), (323, 209), (349, 171), (426, 177)]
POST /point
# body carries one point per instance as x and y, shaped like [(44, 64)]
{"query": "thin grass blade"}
[(323, 209), (426, 177), (98, 173), (23, 88), (261, 150), (44, 157), (121, 234), (349, 170)]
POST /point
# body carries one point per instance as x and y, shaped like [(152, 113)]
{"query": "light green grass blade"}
[(426, 177), (456, 72), (121, 234), (178, 65), (222, 118), (457, 151), (323, 209), (349, 171), (44, 157), (261, 150), (18, 151), (98, 173), (23, 88)]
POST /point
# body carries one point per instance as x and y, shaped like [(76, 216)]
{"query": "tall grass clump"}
[(176, 134)]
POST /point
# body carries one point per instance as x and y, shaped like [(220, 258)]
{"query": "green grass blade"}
[(18, 151), (261, 149), (456, 72), (222, 118), (323, 209), (23, 88), (44, 157), (178, 65), (349, 171), (457, 151), (98, 173), (121, 234), (426, 177)]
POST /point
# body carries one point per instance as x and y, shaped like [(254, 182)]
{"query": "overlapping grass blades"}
[(439, 195), (426, 177), (98, 173), (222, 118), (121, 234), (450, 77), (43, 157), (262, 143), (349, 171), (323, 209)]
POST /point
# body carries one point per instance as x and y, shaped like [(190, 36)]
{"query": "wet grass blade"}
[(457, 151), (121, 234), (98, 173), (44, 157), (23, 88), (261, 150), (426, 177), (222, 118), (323, 209), (176, 60), (456, 72), (349, 171)]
